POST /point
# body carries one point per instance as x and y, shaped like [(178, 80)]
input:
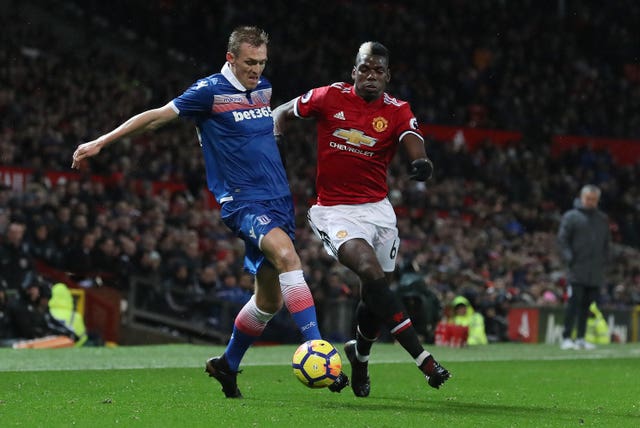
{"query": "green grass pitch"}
[(504, 385)]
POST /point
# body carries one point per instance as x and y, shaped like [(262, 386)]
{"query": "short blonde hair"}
[(246, 34)]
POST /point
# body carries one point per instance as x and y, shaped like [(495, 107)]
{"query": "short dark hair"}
[(372, 48), (246, 34)]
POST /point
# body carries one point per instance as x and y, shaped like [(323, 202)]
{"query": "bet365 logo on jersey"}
[(254, 113)]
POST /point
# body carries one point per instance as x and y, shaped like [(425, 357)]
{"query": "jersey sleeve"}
[(407, 123), (310, 104), (196, 100)]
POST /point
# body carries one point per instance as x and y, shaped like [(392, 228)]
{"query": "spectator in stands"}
[(5, 196), (16, 261), (105, 255), (181, 291), (150, 263), (128, 262), (208, 280), (43, 247), (6, 325), (191, 251), (4, 221), (62, 307), (79, 260), (465, 315), (79, 225), (231, 291), (62, 227), (494, 307), (208, 283), (597, 331), (30, 315)]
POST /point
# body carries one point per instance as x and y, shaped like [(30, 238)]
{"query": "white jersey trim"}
[(410, 132), (295, 108)]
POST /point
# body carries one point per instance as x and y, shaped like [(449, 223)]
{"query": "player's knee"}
[(362, 261), (370, 272), (279, 250), (287, 260)]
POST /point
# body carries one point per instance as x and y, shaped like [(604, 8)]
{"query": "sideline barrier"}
[(100, 306), (545, 324), (635, 323)]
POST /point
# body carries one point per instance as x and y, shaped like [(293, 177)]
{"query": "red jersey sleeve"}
[(310, 104)]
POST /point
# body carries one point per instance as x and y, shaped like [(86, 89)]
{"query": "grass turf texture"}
[(505, 385)]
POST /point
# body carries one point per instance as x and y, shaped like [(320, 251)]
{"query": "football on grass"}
[(316, 363)]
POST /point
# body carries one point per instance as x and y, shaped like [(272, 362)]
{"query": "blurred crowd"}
[(538, 66), (484, 227)]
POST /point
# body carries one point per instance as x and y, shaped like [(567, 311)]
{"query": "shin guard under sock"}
[(299, 301), (381, 301), (367, 332), (248, 326)]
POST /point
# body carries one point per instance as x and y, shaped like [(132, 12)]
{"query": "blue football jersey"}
[(235, 129)]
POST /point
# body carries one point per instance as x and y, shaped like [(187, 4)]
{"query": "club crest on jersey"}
[(413, 123), (263, 219), (341, 234), (380, 124)]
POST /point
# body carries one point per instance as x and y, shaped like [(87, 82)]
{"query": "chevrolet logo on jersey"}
[(355, 137)]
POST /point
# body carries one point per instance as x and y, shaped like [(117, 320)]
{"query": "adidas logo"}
[(339, 115)]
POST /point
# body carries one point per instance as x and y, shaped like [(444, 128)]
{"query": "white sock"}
[(423, 356)]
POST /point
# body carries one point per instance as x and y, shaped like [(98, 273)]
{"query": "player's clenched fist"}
[(421, 169)]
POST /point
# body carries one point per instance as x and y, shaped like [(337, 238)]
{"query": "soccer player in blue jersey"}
[(232, 113)]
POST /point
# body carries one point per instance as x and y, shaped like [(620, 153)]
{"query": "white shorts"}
[(374, 222)]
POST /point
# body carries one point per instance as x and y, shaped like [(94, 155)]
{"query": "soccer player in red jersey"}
[(359, 127)]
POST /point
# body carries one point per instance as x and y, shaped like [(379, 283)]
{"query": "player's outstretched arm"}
[(281, 115), (143, 122)]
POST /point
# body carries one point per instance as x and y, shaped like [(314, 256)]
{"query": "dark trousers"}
[(578, 309)]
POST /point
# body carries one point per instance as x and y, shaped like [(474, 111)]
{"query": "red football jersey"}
[(356, 141)]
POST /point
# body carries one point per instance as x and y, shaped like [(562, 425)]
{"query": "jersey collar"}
[(373, 104), (228, 74)]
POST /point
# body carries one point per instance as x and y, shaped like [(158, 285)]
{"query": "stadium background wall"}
[(529, 325)]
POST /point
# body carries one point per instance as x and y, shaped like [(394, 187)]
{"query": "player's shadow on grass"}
[(530, 412), (533, 411)]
